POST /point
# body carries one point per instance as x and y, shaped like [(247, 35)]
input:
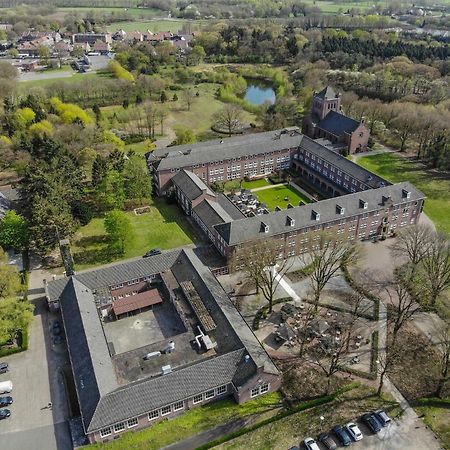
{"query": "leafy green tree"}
[(137, 179), (98, 113), (14, 231), (111, 191), (119, 229), (117, 160), (99, 169), (184, 136), (14, 315), (163, 97), (9, 279)]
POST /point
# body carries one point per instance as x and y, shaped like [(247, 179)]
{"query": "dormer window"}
[(290, 221), (340, 210), (264, 227), (315, 215), (406, 194), (363, 204)]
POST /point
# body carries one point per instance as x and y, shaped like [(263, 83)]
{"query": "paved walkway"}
[(270, 186)]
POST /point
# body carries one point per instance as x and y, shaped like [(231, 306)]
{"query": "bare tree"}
[(162, 113), (188, 97), (303, 324), (436, 266), (444, 362), (385, 364), (229, 118), (327, 255), (151, 116), (413, 243), (264, 267)]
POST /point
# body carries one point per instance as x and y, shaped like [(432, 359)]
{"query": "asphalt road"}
[(37, 380)]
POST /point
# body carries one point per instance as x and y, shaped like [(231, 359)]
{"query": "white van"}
[(5, 387)]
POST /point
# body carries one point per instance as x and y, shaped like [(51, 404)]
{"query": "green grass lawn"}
[(434, 185), (329, 6), (193, 422), (135, 12), (436, 414), (276, 197), (253, 184), (163, 227), (76, 77), (155, 25)]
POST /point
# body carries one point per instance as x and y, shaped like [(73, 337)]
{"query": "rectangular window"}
[(221, 390), (105, 432), (264, 388), (166, 410), (178, 405), (209, 394), (198, 398), (118, 427), (254, 392), (132, 422), (152, 415)]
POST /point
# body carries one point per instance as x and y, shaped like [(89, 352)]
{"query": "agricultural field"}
[(435, 185), (163, 227), (154, 25), (281, 196), (332, 7), (135, 12)]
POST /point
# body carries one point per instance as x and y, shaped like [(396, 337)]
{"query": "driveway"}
[(37, 380)]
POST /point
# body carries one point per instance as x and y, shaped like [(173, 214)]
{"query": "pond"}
[(259, 92)]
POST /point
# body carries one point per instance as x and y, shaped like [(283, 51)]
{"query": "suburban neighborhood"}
[(224, 225)]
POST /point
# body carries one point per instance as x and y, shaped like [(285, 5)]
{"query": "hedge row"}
[(262, 312), (13, 350)]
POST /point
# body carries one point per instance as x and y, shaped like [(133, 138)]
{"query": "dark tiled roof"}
[(228, 148), (338, 124), (211, 213), (191, 184), (230, 207), (88, 351), (250, 228), (327, 93), (342, 163)]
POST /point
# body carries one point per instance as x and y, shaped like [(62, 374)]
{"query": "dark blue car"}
[(372, 422), (342, 435)]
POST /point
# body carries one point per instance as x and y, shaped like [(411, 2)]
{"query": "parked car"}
[(4, 413), (56, 328), (311, 444), (382, 417), (354, 431), (4, 367), (153, 252), (5, 401), (342, 435), (5, 387), (372, 423), (328, 441)]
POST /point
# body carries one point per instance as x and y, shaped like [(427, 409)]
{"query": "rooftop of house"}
[(338, 124), (320, 149), (115, 385), (333, 209), (191, 185), (224, 149)]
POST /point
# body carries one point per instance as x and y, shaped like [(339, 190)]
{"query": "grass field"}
[(328, 6), (67, 79), (253, 184), (155, 25), (193, 422), (281, 196), (163, 227), (436, 414), (434, 185), (135, 12)]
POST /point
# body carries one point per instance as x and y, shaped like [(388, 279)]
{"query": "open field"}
[(193, 422), (135, 12), (435, 185), (328, 6), (155, 25), (163, 227), (253, 184), (280, 196), (67, 79), (436, 414)]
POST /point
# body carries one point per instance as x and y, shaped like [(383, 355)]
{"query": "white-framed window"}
[(152, 415), (166, 410), (254, 392), (264, 388), (221, 390), (178, 405), (209, 394), (198, 398), (105, 432), (132, 422), (118, 427)]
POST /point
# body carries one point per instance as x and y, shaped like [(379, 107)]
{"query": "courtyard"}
[(281, 196)]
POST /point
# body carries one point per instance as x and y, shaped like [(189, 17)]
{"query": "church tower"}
[(325, 101)]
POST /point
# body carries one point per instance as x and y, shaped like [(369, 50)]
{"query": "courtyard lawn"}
[(193, 422), (277, 195), (435, 185), (253, 184), (436, 414), (163, 227)]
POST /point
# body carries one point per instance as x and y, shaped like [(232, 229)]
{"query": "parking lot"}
[(37, 380)]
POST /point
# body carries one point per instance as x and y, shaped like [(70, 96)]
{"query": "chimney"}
[(66, 255), (264, 227)]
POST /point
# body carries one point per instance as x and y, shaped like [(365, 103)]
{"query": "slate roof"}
[(211, 213), (191, 184), (342, 163), (102, 401), (338, 124), (230, 207), (327, 93), (88, 351), (228, 148), (250, 228)]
